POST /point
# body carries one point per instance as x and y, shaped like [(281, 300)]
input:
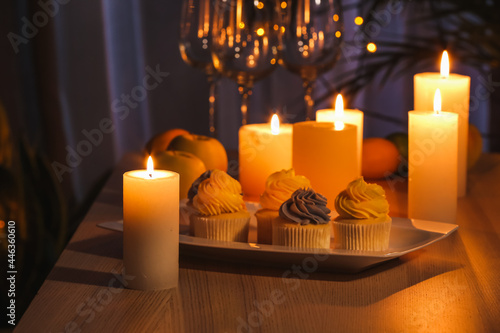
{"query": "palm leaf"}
[(466, 28)]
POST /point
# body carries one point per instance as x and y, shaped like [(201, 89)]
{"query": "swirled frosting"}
[(193, 190), (305, 207), (361, 201), (279, 186), (218, 194)]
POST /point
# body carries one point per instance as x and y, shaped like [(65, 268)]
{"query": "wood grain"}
[(450, 286)]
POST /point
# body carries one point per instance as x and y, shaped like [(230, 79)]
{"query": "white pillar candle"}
[(326, 154), (432, 167), (353, 117), (263, 149), (151, 228), (455, 92)]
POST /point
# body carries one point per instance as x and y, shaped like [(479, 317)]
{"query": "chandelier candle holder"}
[(455, 93), (349, 116), (151, 228), (432, 167), (327, 154), (263, 149)]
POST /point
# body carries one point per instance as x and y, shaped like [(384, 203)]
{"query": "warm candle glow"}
[(437, 102), (307, 11), (455, 96), (239, 24), (445, 65), (263, 149), (150, 167), (151, 228), (339, 113), (275, 124)]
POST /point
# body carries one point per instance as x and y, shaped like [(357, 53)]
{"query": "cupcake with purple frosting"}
[(303, 221), (279, 186)]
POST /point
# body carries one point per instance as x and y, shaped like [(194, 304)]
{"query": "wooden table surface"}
[(450, 286)]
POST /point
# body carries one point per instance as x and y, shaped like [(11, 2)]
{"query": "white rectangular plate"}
[(407, 235)]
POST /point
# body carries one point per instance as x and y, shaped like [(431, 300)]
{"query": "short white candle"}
[(432, 167), (349, 116), (455, 92), (263, 149), (151, 228)]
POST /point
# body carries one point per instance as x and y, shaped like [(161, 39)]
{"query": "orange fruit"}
[(187, 165), (160, 141), (380, 158), (474, 146), (209, 150)]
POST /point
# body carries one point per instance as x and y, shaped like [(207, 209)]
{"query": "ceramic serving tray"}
[(407, 235)]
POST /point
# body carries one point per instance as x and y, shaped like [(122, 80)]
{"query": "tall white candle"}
[(455, 92), (263, 149), (151, 228), (432, 167), (349, 116)]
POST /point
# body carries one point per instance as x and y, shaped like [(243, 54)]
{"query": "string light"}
[(358, 20)]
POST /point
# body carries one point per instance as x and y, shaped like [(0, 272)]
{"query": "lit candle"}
[(263, 149), (455, 91), (326, 153), (432, 167), (151, 228), (349, 116)]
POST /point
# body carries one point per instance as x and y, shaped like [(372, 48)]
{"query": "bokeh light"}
[(371, 47), (358, 20)]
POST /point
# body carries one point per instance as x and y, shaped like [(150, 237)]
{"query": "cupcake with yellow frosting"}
[(303, 221), (219, 209), (279, 187), (363, 222)]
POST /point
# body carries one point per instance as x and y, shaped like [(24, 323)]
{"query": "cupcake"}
[(303, 221), (363, 222), (279, 187), (219, 211)]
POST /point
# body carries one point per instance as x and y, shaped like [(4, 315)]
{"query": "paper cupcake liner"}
[(364, 237), (298, 236), (220, 228), (265, 219)]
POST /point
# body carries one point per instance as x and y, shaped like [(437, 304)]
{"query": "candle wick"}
[(150, 175)]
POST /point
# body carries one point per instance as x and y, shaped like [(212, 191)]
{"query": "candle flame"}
[(150, 167), (275, 124), (445, 65), (339, 113), (437, 102)]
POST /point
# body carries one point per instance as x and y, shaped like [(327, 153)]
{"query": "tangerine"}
[(380, 158), (160, 141)]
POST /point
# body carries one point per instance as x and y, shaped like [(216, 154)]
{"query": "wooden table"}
[(450, 286)]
